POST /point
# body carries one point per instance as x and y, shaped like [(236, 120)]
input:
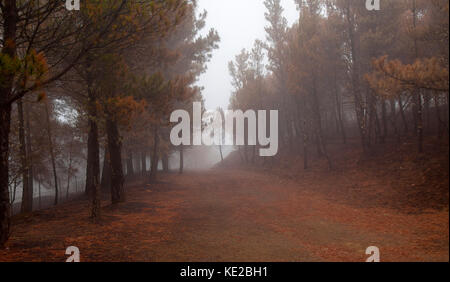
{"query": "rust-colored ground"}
[(396, 199), (233, 215)]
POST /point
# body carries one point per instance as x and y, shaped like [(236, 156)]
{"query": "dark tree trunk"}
[(427, 111), (419, 119), (10, 18), (356, 83), (394, 120), (221, 153), (143, 163), (165, 163), (384, 119), (320, 138), (29, 151), (402, 114), (155, 155), (301, 112), (130, 169), (27, 203), (374, 116), (115, 152), (181, 159), (305, 147), (52, 154), (5, 212), (90, 160), (418, 94), (106, 172), (69, 172), (339, 113), (93, 159), (39, 191), (441, 124)]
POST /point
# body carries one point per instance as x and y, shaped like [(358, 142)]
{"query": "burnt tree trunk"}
[(402, 114), (442, 125), (165, 163), (319, 131), (69, 172), (419, 118), (106, 172), (221, 153), (155, 157), (5, 213), (339, 111), (181, 159), (93, 155), (301, 112), (394, 120), (384, 120), (143, 163), (418, 95), (29, 156), (52, 153), (115, 152), (130, 169), (355, 78), (27, 203), (10, 19)]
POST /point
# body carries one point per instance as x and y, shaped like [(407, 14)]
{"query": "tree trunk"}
[(426, 104), (384, 120), (115, 152), (69, 172), (29, 154), (106, 172), (305, 147), (441, 124), (10, 19), (93, 160), (402, 114), (221, 153), (301, 112), (143, 163), (419, 119), (339, 112), (418, 103), (52, 154), (165, 162), (155, 156), (27, 203), (319, 131), (394, 120), (356, 84), (130, 169), (181, 159), (39, 189), (5, 122)]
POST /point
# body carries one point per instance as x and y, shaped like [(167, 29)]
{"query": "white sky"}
[(239, 23)]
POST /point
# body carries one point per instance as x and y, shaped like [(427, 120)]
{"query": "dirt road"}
[(229, 215)]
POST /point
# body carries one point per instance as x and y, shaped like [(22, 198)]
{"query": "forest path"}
[(229, 215)]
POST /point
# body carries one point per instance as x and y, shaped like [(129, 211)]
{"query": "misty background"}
[(238, 28)]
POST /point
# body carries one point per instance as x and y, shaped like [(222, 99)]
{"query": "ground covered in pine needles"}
[(396, 200)]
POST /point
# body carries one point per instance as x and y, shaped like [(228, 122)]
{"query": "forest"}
[(86, 98)]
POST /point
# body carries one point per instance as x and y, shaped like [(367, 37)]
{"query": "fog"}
[(239, 23)]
